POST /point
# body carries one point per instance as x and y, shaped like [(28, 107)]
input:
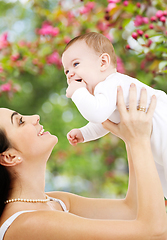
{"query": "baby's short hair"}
[(98, 42)]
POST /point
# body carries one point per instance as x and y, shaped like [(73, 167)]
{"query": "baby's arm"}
[(93, 131), (89, 132), (96, 108)]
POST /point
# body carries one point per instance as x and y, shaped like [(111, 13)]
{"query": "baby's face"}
[(82, 63)]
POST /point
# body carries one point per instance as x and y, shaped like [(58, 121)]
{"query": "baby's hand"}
[(75, 136), (73, 86)]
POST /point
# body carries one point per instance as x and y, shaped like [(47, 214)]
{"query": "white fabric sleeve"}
[(93, 131), (96, 108)]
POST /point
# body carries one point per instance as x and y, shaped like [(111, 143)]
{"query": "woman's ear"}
[(104, 61), (10, 158)]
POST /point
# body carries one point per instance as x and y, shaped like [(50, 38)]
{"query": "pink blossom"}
[(128, 46), (110, 6), (4, 37), (138, 4), (15, 57), (143, 64), (5, 87), (159, 13), (145, 20), (125, 3), (163, 19), (87, 8), (22, 43), (146, 35), (90, 5), (109, 37), (102, 26), (149, 42), (138, 20), (54, 58), (83, 10), (151, 26), (120, 65), (70, 15), (140, 32), (3, 40), (48, 30), (165, 13), (134, 35), (153, 19), (55, 31), (1, 68), (113, 1)]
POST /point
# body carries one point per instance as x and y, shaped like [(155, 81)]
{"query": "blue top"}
[(9, 221)]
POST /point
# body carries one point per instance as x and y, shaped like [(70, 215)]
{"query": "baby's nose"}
[(70, 76)]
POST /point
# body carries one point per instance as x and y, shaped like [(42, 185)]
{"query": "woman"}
[(60, 215)]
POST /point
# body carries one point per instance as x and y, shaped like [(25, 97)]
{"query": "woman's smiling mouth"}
[(41, 132)]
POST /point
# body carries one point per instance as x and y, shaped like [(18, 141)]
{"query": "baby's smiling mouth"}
[(78, 80)]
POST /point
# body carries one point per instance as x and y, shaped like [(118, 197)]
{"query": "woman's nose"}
[(35, 119)]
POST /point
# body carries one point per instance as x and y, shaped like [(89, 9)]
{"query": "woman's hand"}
[(135, 125)]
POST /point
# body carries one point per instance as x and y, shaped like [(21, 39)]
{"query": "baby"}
[(89, 63)]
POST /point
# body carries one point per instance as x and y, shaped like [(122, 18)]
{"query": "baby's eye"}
[(21, 121), (66, 72), (75, 64)]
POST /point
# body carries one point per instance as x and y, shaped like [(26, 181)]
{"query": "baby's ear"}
[(104, 61)]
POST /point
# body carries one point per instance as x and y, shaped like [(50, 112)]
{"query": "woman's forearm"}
[(131, 196), (151, 207)]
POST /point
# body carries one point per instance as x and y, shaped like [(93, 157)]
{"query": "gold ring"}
[(140, 108)]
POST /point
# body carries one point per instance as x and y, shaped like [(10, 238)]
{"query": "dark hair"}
[(4, 174)]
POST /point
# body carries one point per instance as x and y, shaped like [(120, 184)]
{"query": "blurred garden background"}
[(33, 34)]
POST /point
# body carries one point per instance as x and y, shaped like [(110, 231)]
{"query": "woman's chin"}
[(55, 139)]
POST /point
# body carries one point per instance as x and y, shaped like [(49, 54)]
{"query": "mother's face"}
[(26, 134)]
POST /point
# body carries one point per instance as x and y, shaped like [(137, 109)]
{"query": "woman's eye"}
[(21, 121), (75, 64)]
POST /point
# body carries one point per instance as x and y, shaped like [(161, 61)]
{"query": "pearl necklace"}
[(28, 200)]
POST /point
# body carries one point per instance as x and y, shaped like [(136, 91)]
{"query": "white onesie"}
[(102, 106)]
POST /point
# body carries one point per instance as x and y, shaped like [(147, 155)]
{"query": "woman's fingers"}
[(132, 97), (152, 107), (143, 100), (120, 102)]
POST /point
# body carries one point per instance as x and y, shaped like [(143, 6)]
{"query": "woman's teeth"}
[(41, 132)]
